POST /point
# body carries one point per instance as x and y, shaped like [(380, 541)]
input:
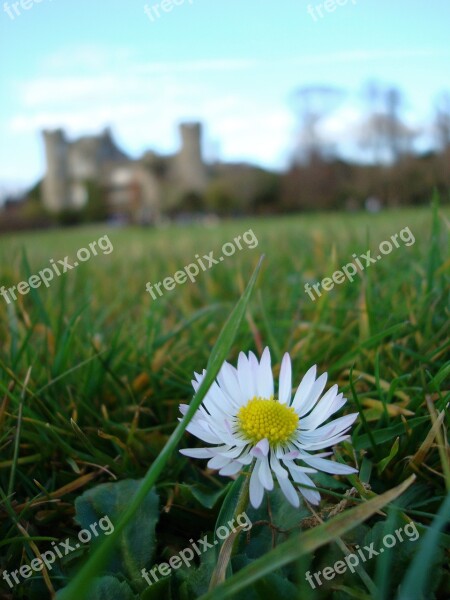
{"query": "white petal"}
[(327, 406), (231, 469), (246, 459), (254, 366), (184, 408), (292, 454), (215, 402), (203, 435), (229, 452), (289, 461), (199, 377), (313, 395), (332, 429), (228, 426), (305, 387), (306, 469), (300, 477), (261, 449), (285, 387), (328, 466), (218, 462), (289, 491), (320, 445), (227, 378), (256, 488), (218, 403), (265, 377), (237, 441), (197, 452), (265, 474), (279, 471), (245, 377)]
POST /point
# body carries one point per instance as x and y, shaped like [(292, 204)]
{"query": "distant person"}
[(373, 204)]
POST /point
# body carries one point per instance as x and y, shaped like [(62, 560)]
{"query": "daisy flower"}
[(246, 423)]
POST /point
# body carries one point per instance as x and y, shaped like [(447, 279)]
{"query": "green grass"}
[(108, 366)]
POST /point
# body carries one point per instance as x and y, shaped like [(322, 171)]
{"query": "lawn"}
[(93, 369)]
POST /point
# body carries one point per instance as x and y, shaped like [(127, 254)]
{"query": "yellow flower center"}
[(261, 418)]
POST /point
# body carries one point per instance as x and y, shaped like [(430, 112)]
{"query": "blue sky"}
[(233, 64)]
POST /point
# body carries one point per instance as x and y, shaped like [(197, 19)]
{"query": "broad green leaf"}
[(107, 588), (275, 586), (159, 589), (284, 517), (205, 496), (136, 544), (196, 579)]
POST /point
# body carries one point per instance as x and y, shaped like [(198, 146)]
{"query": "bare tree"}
[(383, 130), (442, 120), (313, 103)]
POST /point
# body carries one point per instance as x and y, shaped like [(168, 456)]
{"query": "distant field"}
[(297, 248), (103, 352)]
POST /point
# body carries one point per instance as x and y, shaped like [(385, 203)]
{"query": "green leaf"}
[(136, 543), (285, 520), (373, 341), (434, 257), (384, 562), (80, 585), (159, 589), (205, 496), (107, 588), (275, 586), (441, 375), (228, 507), (365, 470), (304, 543), (414, 586), (384, 463), (385, 435), (196, 579)]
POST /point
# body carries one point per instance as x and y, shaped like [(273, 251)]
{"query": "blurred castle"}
[(132, 189)]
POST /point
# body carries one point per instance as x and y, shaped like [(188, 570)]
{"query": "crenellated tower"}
[(190, 168), (55, 184)]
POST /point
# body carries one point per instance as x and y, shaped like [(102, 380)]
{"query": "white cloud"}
[(84, 88), (198, 66), (341, 124), (86, 57), (143, 103), (353, 56)]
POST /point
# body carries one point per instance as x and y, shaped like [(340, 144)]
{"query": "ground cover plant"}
[(93, 370)]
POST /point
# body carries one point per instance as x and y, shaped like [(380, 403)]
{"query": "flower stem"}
[(242, 502), (229, 546)]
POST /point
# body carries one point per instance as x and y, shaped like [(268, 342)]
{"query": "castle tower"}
[(190, 168), (55, 180)]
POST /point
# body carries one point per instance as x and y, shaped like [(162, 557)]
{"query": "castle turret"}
[(55, 181), (191, 171)]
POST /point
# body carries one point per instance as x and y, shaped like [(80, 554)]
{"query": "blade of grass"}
[(12, 474), (414, 583), (363, 418), (434, 259)]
